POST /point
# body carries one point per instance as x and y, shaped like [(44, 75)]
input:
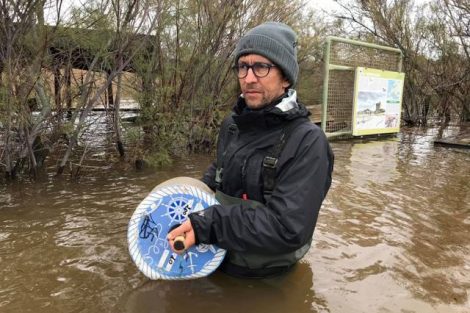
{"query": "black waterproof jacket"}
[(287, 220)]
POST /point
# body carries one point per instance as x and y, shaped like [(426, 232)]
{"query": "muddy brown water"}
[(393, 236)]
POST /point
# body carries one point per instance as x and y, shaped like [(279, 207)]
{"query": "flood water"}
[(392, 236)]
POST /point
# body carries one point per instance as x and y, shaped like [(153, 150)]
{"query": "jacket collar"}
[(274, 114)]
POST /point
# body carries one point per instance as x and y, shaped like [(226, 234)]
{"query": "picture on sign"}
[(377, 101)]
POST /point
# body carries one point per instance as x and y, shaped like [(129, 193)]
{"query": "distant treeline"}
[(174, 58)]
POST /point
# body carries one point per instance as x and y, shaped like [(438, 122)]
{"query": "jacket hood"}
[(285, 108)]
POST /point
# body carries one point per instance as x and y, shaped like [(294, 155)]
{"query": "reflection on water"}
[(393, 236), (376, 160)]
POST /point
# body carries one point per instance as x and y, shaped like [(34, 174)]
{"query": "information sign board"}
[(377, 101)]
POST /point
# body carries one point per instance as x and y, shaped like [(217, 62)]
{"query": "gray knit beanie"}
[(275, 41)]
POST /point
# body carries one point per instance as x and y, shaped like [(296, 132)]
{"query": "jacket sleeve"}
[(287, 221)]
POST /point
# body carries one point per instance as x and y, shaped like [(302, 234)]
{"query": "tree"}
[(186, 81), (436, 71), (23, 52), (458, 13), (179, 53), (122, 43)]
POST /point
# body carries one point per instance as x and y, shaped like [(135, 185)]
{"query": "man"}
[(273, 166)]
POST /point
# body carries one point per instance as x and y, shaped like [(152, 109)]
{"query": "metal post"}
[(400, 62), (364, 44), (325, 84)]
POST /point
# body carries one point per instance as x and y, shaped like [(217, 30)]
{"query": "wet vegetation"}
[(173, 58)]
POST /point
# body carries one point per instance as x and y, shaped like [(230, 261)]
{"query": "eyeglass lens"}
[(259, 69)]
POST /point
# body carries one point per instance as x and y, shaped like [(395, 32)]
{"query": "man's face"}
[(259, 92)]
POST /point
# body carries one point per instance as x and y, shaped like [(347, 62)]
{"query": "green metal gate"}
[(341, 58)]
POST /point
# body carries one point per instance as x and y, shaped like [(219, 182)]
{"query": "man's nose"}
[(250, 76)]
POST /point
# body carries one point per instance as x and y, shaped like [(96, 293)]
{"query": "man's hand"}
[(186, 231)]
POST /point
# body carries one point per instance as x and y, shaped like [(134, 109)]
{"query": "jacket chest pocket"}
[(252, 176)]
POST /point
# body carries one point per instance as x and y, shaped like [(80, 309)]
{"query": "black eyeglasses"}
[(259, 69)]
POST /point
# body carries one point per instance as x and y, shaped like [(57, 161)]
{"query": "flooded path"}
[(393, 236)]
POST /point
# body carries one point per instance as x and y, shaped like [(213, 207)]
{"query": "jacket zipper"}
[(244, 195)]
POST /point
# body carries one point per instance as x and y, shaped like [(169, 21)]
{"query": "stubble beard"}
[(256, 105)]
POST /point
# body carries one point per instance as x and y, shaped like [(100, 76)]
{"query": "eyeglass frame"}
[(268, 66)]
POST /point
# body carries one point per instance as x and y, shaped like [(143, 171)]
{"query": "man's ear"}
[(285, 83)]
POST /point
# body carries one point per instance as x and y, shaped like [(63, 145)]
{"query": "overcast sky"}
[(327, 5)]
